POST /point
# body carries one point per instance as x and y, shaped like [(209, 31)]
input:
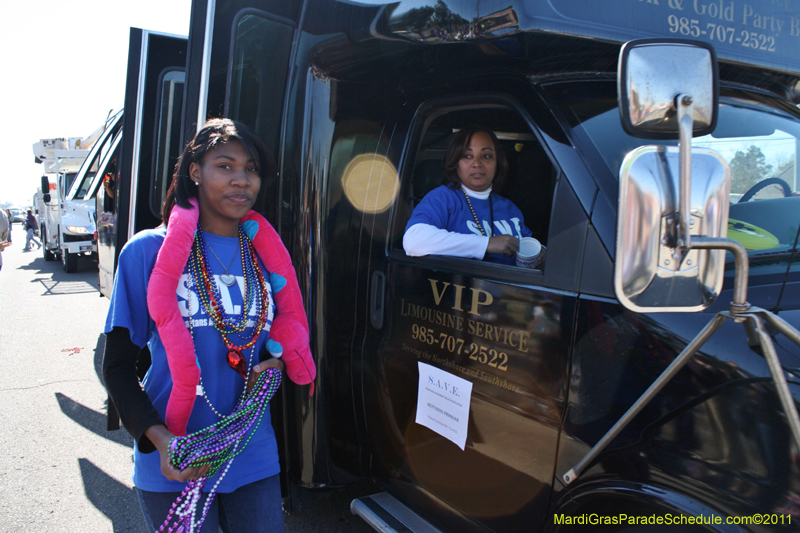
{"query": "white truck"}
[(66, 220)]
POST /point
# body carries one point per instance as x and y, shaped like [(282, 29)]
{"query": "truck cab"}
[(64, 224)]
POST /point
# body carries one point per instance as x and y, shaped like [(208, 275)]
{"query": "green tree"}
[(748, 168)]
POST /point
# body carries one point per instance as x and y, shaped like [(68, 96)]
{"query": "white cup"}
[(528, 254)]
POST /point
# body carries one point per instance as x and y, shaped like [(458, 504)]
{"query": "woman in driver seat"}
[(463, 217)]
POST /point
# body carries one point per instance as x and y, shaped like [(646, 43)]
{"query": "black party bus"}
[(644, 377)]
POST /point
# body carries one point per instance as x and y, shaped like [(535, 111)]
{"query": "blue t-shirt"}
[(222, 385), (447, 208)]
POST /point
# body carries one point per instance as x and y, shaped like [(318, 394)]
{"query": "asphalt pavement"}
[(60, 470)]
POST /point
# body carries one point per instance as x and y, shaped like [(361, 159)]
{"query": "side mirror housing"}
[(45, 189), (652, 73)]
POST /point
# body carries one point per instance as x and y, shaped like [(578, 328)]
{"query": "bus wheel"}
[(69, 261)]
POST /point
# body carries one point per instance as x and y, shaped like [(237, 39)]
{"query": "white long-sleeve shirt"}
[(425, 239)]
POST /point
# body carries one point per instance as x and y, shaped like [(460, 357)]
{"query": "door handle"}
[(376, 299)]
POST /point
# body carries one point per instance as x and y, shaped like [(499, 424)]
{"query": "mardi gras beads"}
[(255, 293), (216, 446)]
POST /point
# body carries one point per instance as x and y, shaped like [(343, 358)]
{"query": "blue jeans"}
[(253, 508), (30, 237)]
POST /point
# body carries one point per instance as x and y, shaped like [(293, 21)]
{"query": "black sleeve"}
[(124, 389)]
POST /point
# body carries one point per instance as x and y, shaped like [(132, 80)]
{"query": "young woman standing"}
[(217, 311)]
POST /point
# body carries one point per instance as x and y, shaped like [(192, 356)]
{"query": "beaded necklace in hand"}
[(478, 222), (216, 446), (255, 293)]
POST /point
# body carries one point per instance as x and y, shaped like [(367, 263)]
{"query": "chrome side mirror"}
[(669, 89), (650, 273), (653, 73)]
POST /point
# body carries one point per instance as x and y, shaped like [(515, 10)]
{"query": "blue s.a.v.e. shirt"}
[(222, 385)]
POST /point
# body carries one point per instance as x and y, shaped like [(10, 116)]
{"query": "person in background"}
[(30, 227), (5, 232), (463, 217), (10, 223)]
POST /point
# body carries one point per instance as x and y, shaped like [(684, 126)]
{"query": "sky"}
[(62, 69)]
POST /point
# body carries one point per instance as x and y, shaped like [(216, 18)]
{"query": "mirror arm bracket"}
[(665, 377), (752, 318), (740, 311), (685, 107), (739, 303)]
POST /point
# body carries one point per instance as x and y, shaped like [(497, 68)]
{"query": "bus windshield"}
[(759, 141)]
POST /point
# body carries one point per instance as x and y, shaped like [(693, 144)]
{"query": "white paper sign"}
[(443, 403)]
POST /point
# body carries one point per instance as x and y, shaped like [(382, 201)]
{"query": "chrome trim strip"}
[(138, 114), (205, 72)]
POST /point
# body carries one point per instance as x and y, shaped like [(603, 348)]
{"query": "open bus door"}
[(148, 147), (245, 70)]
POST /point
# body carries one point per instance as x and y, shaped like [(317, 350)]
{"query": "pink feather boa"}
[(289, 328)]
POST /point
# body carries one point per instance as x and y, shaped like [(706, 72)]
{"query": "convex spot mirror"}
[(651, 75), (669, 194)]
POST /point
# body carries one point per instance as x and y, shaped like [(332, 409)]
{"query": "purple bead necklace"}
[(216, 446)]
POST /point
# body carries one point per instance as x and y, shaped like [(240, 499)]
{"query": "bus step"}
[(387, 515)]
